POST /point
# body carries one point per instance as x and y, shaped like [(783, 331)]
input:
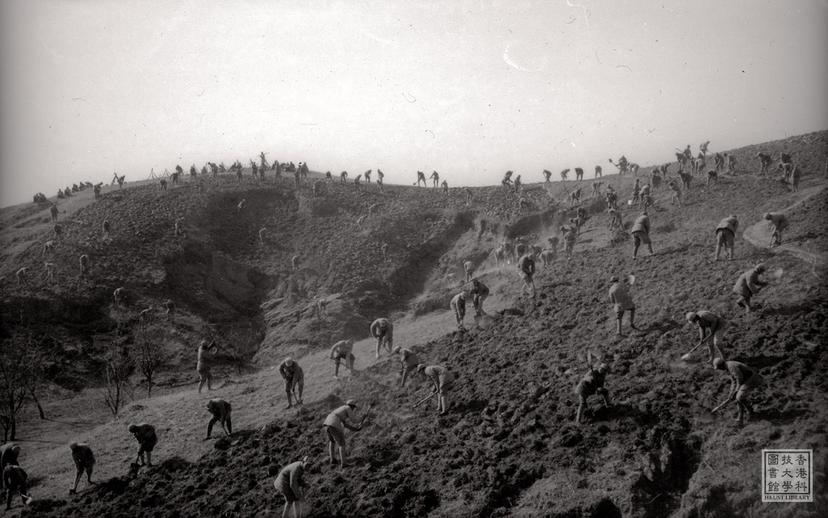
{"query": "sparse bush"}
[(21, 366), (148, 352), (118, 387)]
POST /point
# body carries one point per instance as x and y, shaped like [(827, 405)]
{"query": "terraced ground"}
[(509, 446)]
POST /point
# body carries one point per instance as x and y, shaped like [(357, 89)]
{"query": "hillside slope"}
[(509, 446)]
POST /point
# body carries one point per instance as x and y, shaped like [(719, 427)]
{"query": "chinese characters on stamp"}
[(787, 475)]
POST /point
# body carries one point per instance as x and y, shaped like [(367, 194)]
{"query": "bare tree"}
[(148, 352), (118, 388), (16, 383), (37, 371)]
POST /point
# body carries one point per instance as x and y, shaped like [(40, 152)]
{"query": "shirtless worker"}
[(641, 233), (711, 328), (383, 330), (526, 267), (16, 481), (435, 178), (147, 439), (778, 223), (479, 293), (294, 380), (343, 350), (621, 300), (592, 383), (84, 461), (9, 453), (220, 410), (290, 482), (726, 235), (442, 380), (335, 425), (408, 363), (748, 284), (743, 380), (203, 365), (458, 306)]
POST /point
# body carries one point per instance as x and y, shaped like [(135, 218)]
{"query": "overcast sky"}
[(467, 88)]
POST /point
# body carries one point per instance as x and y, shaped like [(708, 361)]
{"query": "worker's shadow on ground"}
[(614, 411), (787, 309), (660, 326), (779, 417)]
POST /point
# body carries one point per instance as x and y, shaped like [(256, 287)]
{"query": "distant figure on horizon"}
[(506, 182)]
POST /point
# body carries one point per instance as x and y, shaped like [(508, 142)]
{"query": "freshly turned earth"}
[(509, 446)]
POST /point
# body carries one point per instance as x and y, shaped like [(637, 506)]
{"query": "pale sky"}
[(468, 88)]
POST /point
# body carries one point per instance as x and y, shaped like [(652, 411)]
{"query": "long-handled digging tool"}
[(686, 356), (429, 396), (721, 406)]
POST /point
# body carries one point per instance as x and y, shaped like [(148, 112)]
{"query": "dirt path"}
[(180, 416)]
